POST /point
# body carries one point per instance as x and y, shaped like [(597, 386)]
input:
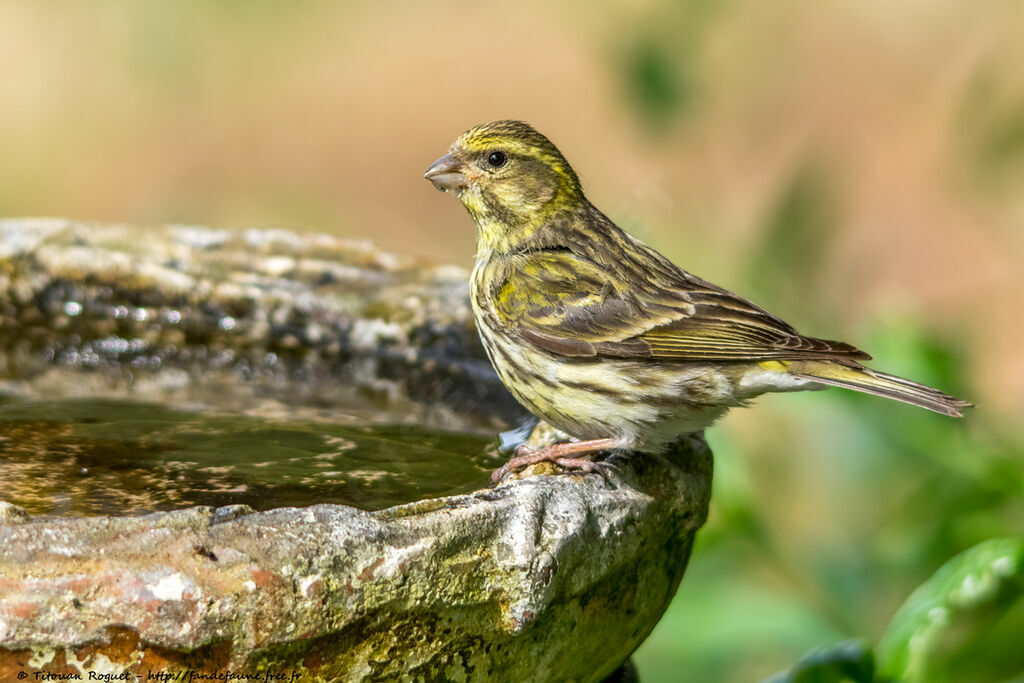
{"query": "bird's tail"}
[(859, 378)]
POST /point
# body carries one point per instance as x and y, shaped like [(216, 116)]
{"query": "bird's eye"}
[(496, 159)]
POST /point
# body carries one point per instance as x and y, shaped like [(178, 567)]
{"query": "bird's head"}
[(509, 177)]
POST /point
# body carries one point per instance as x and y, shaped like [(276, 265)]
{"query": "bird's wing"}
[(570, 306)]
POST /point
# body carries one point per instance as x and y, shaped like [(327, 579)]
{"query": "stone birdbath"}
[(265, 454)]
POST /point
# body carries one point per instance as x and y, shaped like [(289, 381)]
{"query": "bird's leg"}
[(559, 453)]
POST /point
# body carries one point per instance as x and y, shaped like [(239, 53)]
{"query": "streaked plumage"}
[(603, 337)]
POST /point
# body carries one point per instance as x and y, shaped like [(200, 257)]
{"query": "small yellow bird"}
[(603, 337)]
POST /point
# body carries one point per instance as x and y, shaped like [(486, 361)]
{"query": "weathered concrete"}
[(546, 578)]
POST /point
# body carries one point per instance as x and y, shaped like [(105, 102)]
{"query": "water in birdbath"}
[(162, 367), (120, 457)]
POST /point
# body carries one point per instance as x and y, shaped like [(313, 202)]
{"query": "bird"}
[(604, 338)]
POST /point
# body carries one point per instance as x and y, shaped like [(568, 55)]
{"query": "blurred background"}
[(857, 168)]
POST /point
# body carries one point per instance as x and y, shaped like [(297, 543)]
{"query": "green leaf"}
[(964, 622), (851, 661)]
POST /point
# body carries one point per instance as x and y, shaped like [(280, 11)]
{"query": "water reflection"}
[(90, 457)]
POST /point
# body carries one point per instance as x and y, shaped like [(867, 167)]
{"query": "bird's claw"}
[(498, 475), (588, 466), (522, 456)]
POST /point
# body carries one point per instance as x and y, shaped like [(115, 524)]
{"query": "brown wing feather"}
[(569, 306)]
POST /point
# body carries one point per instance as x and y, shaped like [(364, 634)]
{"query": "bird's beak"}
[(446, 174)]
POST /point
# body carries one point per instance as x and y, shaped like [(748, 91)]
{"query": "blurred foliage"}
[(850, 661), (964, 623)]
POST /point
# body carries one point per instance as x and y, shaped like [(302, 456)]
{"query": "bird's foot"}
[(567, 455)]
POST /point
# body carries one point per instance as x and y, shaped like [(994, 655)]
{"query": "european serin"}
[(603, 337)]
